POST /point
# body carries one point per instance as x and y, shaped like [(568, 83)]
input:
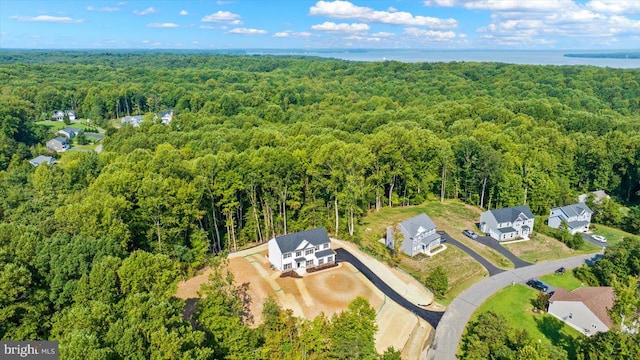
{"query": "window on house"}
[(308, 252), (330, 259), (326, 246), (317, 247), (320, 261), (298, 253), (309, 263), (286, 255), (287, 266)]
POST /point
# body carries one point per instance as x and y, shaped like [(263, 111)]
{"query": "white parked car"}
[(599, 238)]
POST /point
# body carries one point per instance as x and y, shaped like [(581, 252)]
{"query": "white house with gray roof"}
[(132, 120), (301, 250), (42, 159), (507, 223), (419, 235), (576, 216)]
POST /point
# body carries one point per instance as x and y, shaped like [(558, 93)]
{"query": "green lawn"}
[(515, 303), (566, 281), (612, 235), (545, 248), (57, 125), (450, 216)]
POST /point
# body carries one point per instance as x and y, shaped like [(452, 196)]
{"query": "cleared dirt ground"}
[(328, 291)]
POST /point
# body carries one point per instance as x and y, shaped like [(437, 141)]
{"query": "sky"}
[(299, 24)]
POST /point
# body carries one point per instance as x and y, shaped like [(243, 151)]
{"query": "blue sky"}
[(289, 24)]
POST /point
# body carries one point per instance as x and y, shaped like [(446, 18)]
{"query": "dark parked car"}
[(470, 234), (561, 271), (538, 285)]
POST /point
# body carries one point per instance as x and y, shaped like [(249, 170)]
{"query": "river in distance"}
[(532, 57)]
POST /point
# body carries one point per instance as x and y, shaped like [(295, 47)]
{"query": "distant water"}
[(532, 57)]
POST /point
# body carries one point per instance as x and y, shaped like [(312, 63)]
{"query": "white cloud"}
[(195, 42), (103, 9), (343, 27), (429, 35), (147, 11), (209, 27), (383, 34), (504, 5), (245, 31), (184, 12), (47, 18), (224, 2), (618, 7), (163, 25), (293, 34), (347, 10), (223, 16)]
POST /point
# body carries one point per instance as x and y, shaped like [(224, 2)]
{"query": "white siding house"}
[(576, 216), (584, 309), (419, 235), (301, 250), (507, 223)]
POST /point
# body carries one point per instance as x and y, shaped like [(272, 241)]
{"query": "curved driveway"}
[(449, 331), (495, 245), (493, 270), (432, 317)]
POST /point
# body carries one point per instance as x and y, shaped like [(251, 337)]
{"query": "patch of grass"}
[(515, 304), (451, 216), (566, 281), (612, 235), (461, 269), (544, 248)]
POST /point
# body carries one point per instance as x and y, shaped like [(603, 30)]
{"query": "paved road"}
[(449, 331), (495, 245), (493, 270), (432, 317)]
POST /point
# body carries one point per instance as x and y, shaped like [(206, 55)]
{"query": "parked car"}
[(538, 285), (599, 238), (470, 234), (561, 271)]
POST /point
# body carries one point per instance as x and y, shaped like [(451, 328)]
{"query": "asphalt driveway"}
[(492, 269), (590, 239), (495, 245), (432, 317), (449, 332)]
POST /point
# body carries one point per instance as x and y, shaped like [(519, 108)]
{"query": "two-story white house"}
[(507, 223), (576, 216), (301, 250), (419, 235)]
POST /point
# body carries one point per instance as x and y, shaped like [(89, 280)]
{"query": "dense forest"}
[(268, 145)]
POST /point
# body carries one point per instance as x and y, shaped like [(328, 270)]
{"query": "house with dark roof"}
[(42, 159), (58, 144), (507, 223), (417, 236), (576, 216), (301, 250), (584, 309), (69, 132)]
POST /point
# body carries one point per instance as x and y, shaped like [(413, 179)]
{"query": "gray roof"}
[(290, 242), (323, 253), (42, 159), (576, 209), (69, 129), (510, 214), (507, 230), (577, 224), (61, 139), (412, 225)]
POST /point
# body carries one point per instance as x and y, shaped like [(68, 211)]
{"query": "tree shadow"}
[(189, 310), (552, 327)]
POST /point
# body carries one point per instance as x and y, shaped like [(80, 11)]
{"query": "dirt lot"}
[(328, 291)]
